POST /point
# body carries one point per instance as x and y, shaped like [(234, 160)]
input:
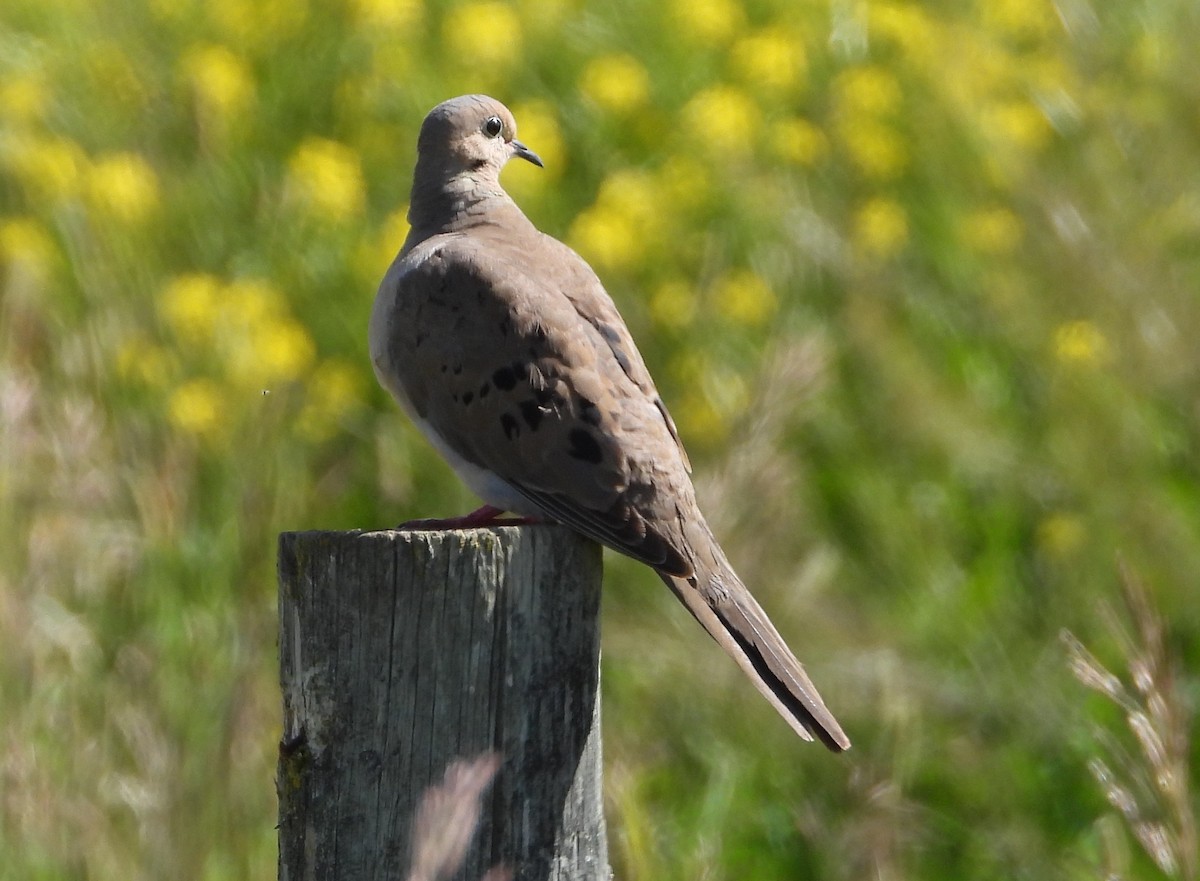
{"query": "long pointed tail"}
[(725, 608)]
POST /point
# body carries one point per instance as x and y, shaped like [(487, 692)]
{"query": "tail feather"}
[(732, 617)]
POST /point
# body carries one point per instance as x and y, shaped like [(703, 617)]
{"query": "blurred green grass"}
[(919, 282)]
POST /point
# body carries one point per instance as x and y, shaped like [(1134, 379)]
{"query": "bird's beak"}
[(519, 149)]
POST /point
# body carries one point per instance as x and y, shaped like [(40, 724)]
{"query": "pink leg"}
[(485, 516)]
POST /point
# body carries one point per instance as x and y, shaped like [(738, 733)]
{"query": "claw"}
[(485, 516)]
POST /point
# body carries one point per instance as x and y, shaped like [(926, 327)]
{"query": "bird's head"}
[(472, 133)]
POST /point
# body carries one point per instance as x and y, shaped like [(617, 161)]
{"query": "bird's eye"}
[(492, 126)]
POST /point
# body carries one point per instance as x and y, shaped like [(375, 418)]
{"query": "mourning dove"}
[(503, 347)]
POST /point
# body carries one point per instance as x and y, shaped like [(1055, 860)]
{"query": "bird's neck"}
[(450, 202)]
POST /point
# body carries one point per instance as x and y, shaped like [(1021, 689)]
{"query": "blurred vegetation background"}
[(918, 281)]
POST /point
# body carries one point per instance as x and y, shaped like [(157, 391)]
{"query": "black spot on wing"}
[(509, 423), (484, 389), (505, 379), (584, 446), (468, 397), (532, 413), (588, 412)]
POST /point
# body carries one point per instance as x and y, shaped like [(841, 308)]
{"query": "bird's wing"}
[(542, 387)]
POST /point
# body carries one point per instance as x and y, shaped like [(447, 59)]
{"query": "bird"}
[(503, 347)]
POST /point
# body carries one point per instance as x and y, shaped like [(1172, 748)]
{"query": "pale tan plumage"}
[(502, 345)]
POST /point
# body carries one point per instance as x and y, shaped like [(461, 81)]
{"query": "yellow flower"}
[(673, 304), (50, 168), (333, 392), (270, 352), (876, 148), (26, 251), (23, 98), (483, 34), (1061, 534), (606, 238), (866, 91), (258, 23), (771, 59), (255, 339), (881, 228), (222, 81), (706, 22), (1080, 342), (250, 302), (724, 119), (633, 193), (191, 306), (1018, 123), (911, 28), (798, 141), (243, 325), (123, 186), (327, 178), (196, 408), (1025, 19), (992, 231), (616, 83), (391, 15), (744, 298), (623, 224)]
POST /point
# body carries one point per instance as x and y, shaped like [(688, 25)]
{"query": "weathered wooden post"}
[(399, 652)]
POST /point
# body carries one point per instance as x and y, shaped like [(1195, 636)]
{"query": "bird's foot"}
[(485, 516)]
